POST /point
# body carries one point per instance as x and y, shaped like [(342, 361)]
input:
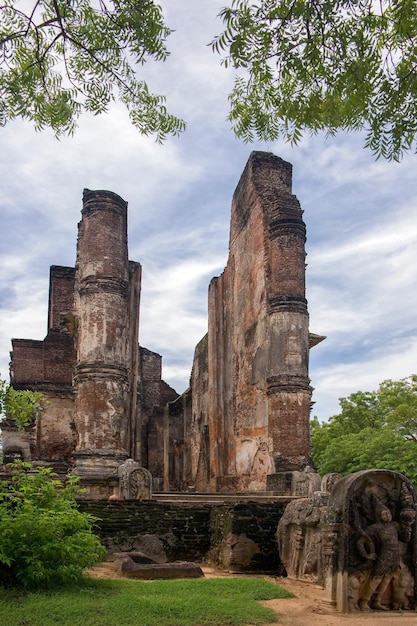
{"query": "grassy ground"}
[(202, 602)]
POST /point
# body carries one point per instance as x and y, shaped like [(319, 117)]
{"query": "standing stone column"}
[(288, 383), (103, 340)]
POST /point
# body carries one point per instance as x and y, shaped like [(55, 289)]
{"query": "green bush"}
[(44, 539), (374, 430), (21, 406)]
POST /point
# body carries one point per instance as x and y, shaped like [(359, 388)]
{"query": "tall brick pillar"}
[(288, 384), (103, 341)]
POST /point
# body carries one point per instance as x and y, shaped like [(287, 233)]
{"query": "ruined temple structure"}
[(243, 425)]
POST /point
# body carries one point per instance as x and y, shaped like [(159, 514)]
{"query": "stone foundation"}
[(236, 537)]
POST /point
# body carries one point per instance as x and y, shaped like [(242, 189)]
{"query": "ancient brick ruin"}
[(243, 426), (237, 441)]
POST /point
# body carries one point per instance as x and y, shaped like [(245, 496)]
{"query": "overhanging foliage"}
[(60, 57), (338, 64)]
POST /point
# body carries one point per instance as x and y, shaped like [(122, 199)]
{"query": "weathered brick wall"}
[(243, 536), (54, 432), (183, 530), (198, 453), (61, 293), (155, 394), (253, 399), (151, 369), (27, 362), (59, 358), (36, 363), (40, 364), (217, 533)]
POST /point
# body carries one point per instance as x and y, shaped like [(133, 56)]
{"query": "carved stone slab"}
[(135, 482), (359, 541)]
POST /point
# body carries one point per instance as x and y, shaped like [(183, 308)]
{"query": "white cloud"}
[(361, 218), (394, 360)]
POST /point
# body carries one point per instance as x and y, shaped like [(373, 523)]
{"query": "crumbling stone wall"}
[(47, 366), (237, 536), (242, 537), (199, 468)]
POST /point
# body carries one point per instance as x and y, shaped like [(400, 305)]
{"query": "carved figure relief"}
[(383, 547), (260, 466), (299, 537), (117, 419), (379, 528), (359, 541)]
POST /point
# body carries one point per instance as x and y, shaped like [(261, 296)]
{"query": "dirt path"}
[(306, 609)]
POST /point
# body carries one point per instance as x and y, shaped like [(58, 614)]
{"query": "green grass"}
[(202, 602)]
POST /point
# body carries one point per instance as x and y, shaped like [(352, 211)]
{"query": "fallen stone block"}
[(137, 557), (152, 571)]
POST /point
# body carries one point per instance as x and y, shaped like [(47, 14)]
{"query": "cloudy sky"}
[(361, 218)]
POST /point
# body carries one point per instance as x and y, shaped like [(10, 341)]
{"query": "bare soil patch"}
[(308, 609)]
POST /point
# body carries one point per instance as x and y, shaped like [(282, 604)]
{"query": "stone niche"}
[(358, 541)]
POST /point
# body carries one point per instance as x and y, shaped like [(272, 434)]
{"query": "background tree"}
[(60, 57), (374, 430), (338, 64), (44, 539)]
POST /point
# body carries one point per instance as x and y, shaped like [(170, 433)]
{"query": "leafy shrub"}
[(44, 539), (20, 406)]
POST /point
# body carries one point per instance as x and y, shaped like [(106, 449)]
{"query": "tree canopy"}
[(61, 57), (374, 430), (338, 64)]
